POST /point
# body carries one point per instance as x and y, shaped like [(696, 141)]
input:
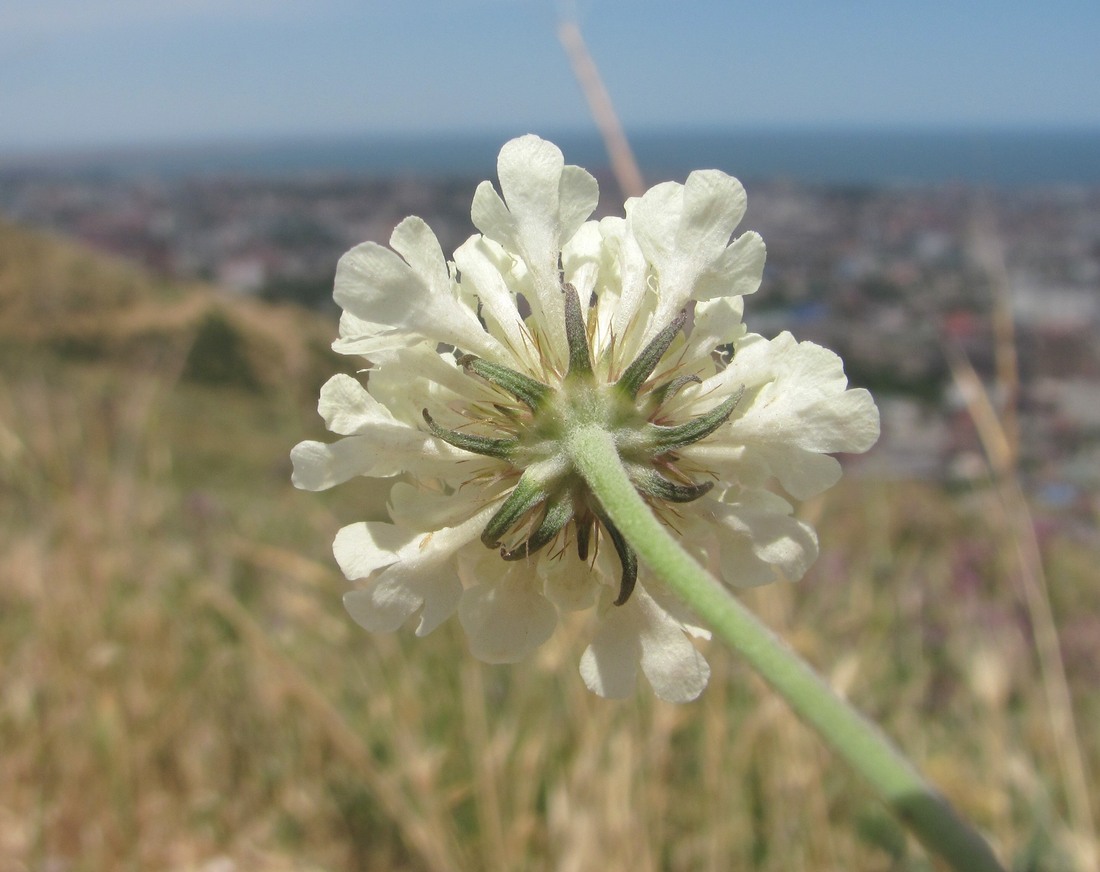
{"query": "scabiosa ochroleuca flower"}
[(479, 368)]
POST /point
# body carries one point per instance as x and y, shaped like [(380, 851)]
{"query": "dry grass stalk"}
[(603, 112), (997, 431)]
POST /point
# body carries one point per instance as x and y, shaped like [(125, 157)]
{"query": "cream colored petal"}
[(805, 403), (482, 277), (389, 601), (544, 203), (569, 583), (348, 409), (796, 404), (640, 632), (717, 322), (760, 540), (378, 286), (376, 347), (420, 573), (369, 546), (801, 473), (419, 378), (609, 665), (684, 232), (382, 450), (420, 508), (504, 614), (737, 271), (633, 299), (578, 196)]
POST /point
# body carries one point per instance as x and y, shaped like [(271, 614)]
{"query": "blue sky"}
[(77, 73)]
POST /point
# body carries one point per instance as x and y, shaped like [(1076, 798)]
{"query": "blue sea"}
[(1009, 157)]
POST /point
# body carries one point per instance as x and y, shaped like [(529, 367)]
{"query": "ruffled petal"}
[(389, 601), (640, 632), (504, 615), (795, 407), (684, 232), (427, 508), (481, 276), (544, 203), (736, 272), (717, 322), (627, 296), (801, 473), (384, 448), (759, 540), (609, 665), (802, 397), (570, 583), (418, 572), (419, 377), (409, 288), (348, 409)]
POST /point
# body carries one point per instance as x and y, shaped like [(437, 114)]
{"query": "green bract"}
[(550, 493)]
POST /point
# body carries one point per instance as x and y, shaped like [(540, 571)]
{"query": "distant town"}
[(895, 279)]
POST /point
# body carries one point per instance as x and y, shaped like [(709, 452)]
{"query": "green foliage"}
[(218, 355)]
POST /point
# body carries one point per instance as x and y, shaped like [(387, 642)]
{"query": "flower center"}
[(550, 494)]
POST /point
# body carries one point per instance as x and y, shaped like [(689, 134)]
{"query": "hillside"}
[(61, 297), (182, 690)]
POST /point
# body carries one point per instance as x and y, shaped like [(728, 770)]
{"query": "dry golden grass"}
[(181, 690)]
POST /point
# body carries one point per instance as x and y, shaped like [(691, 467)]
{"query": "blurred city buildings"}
[(889, 277)]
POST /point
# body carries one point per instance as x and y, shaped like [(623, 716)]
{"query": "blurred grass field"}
[(182, 690)]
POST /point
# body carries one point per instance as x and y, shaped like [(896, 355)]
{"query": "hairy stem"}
[(919, 807)]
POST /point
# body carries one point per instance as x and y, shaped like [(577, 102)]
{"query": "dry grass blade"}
[(434, 849), (997, 434), (623, 164)]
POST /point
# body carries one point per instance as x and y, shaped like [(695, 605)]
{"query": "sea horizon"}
[(838, 155)]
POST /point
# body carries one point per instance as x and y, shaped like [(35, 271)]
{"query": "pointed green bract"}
[(559, 511), (642, 368), (576, 334), (527, 390), (529, 491), (663, 393), (584, 536), (663, 439), (627, 558), (499, 448), (651, 483)]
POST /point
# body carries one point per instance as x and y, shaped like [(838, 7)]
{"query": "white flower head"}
[(479, 367)]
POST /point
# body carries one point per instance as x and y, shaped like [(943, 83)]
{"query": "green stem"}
[(922, 809)]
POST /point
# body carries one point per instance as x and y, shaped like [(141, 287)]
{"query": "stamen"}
[(527, 390), (576, 333), (559, 511), (527, 494), (500, 448), (642, 368), (663, 439)]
